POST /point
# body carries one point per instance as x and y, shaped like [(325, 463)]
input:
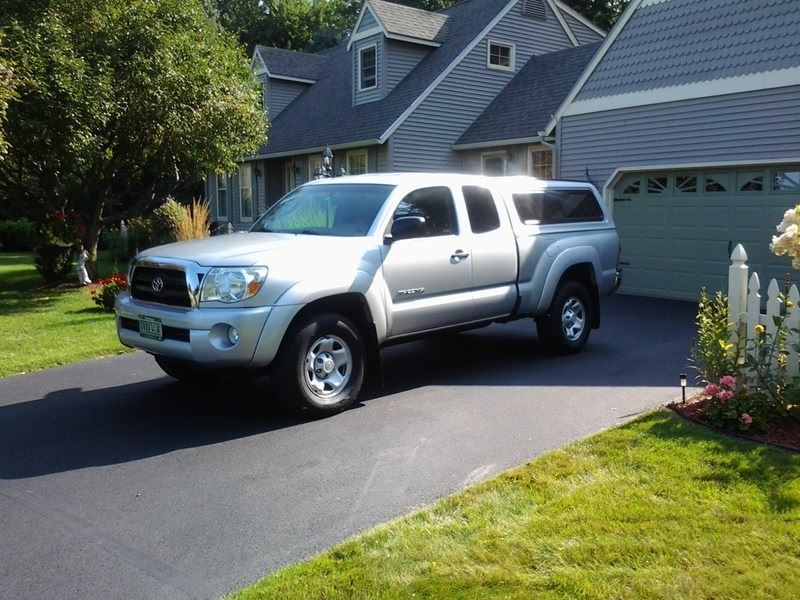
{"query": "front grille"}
[(174, 292), (170, 333)]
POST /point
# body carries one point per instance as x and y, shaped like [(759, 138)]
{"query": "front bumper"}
[(198, 334)]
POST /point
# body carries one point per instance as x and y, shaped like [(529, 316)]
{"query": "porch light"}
[(327, 157)]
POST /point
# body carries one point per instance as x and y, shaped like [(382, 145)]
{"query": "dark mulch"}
[(784, 432)]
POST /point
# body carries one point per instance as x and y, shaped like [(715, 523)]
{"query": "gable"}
[(367, 22), (677, 42)]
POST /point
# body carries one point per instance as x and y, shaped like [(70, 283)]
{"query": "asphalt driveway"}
[(116, 481)]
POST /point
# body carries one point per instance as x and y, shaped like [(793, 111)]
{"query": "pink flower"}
[(728, 381), (724, 396), (711, 390), (746, 419)]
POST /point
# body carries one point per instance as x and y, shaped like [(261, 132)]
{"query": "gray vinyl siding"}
[(517, 162), (367, 22), (382, 162), (584, 34), (260, 187), (401, 58), (687, 41), (380, 51), (281, 93), (760, 125), (424, 141)]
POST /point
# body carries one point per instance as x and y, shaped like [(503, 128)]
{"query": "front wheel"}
[(566, 326), (320, 371)]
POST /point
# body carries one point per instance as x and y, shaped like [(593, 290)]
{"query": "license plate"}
[(150, 327)]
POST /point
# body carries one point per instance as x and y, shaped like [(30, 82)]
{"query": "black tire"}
[(315, 338), (182, 370), (557, 333)]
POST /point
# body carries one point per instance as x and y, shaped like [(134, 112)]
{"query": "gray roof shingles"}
[(687, 41), (408, 21), (324, 113), (527, 103), (288, 63)]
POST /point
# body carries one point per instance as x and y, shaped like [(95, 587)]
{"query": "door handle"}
[(459, 255)]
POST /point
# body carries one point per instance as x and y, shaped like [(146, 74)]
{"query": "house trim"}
[(512, 55), (703, 89), (587, 72), (314, 150), (495, 143), (435, 83), (579, 17), (563, 23), (287, 78), (263, 69), (393, 36), (620, 172)]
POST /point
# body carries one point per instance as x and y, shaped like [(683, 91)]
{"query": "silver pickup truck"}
[(340, 268)]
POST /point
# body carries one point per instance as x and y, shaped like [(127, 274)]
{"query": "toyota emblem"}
[(157, 284)]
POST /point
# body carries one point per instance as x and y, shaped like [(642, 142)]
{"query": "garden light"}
[(683, 388)]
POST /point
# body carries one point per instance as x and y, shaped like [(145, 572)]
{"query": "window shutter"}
[(535, 9)]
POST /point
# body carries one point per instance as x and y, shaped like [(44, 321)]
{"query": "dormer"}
[(387, 42), (284, 75)]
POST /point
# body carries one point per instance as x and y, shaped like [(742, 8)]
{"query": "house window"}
[(368, 68), (494, 164), (357, 162), (222, 197), (501, 56), (541, 162), (246, 192), (784, 181)]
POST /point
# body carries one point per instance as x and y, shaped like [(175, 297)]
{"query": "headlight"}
[(232, 284)]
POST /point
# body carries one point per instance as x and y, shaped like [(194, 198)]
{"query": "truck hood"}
[(244, 249)]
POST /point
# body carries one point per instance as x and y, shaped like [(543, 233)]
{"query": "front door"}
[(429, 278)]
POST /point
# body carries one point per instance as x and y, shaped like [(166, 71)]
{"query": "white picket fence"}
[(744, 309)]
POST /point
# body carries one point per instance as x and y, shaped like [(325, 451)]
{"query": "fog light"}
[(233, 335)]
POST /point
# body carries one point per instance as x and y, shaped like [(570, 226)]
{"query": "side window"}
[(558, 206), (436, 205), (481, 208)]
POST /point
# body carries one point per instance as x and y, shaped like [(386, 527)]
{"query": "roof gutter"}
[(314, 150)]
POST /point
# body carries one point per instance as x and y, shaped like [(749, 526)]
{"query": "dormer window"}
[(368, 68), (500, 56)]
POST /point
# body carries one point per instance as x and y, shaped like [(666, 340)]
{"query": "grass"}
[(44, 326), (656, 508)]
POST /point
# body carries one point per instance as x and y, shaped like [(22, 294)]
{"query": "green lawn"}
[(653, 509), (46, 326)]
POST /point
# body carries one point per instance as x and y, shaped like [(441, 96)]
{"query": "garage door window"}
[(715, 184), (657, 185), (686, 184), (634, 187), (785, 181), (750, 182)]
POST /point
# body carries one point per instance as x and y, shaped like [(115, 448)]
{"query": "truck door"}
[(428, 277), (494, 253)]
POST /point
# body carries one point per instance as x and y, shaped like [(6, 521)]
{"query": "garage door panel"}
[(674, 243)]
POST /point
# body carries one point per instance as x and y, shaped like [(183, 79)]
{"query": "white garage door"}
[(677, 229)]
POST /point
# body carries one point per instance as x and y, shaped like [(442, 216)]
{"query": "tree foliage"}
[(8, 83), (119, 102), (602, 12)]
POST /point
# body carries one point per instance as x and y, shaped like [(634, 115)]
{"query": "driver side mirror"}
[(406, 228)]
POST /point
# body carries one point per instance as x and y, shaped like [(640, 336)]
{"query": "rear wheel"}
[(320, 371), (566, 326)]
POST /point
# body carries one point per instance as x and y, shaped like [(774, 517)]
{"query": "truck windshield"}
[(335, 209)]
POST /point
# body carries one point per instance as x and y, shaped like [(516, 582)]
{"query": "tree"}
[(8, 84), (602, 12), (120, 102)]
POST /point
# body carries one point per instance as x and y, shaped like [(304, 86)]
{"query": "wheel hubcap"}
[(328, 366), (573, 319)]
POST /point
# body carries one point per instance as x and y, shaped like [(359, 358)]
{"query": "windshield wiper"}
[(309, 232)]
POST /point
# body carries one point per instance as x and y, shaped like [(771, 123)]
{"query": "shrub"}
[(734, 406), (105, 291), (52, 261), (17, 235), (164, 222), (58, 235), (713, 356), (196, 222)]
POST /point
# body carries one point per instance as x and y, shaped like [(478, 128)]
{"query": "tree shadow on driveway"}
[(72, 428)]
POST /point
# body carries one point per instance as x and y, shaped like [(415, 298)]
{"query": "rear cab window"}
[(481, 209), (558, 206)]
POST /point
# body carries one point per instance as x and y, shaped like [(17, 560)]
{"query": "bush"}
[(196, 222), (58, 235), (53, 262), (165, 221), (106, 290), (713, 356), (17, 235)]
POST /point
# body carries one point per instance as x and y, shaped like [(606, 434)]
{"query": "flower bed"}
[(105, 291)]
